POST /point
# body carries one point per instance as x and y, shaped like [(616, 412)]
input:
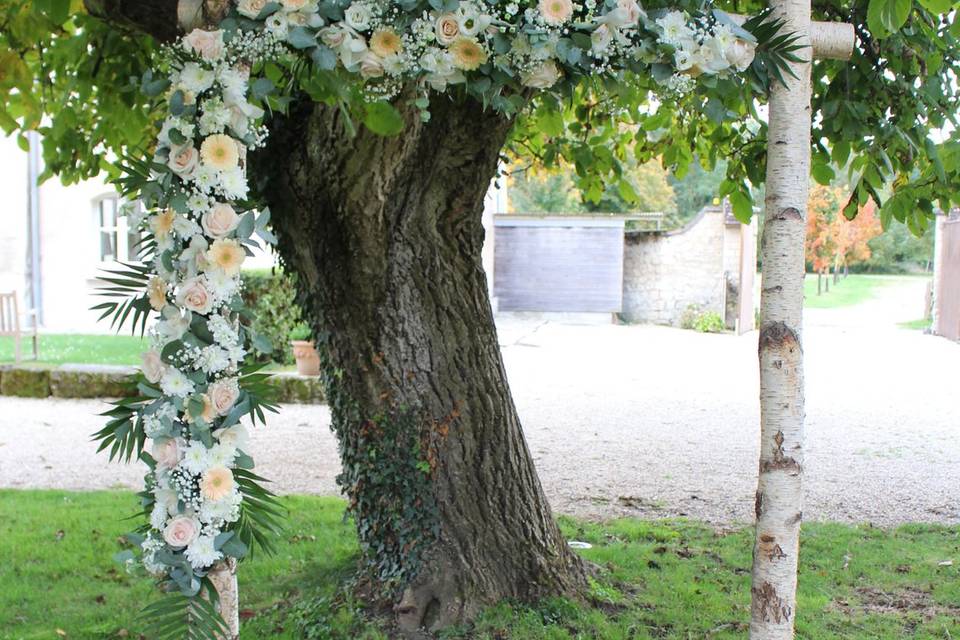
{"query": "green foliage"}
[(693, 317), (658, 579), (300, 331), (271, 297), (899, 251)]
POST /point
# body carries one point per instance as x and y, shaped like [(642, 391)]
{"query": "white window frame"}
[(120, 230)]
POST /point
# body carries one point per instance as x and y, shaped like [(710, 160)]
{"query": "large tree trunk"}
[(385, 236), (779, 499)]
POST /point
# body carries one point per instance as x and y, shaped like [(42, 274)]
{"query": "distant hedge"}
[(270, 294)]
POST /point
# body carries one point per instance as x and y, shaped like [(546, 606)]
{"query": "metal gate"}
[(948, 289)]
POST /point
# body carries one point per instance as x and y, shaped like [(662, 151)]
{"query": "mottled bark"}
[(385, 236), (779, 498)]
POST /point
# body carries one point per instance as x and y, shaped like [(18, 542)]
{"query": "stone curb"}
[(112, 381)]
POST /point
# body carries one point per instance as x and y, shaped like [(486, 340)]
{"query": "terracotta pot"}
[(308, 360)]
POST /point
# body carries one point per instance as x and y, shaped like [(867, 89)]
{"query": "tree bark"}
[(385, 236), (779, 498)]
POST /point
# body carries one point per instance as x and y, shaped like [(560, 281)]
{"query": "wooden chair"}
[(10, 324)]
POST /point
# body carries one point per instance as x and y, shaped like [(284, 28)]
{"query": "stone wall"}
[(665, 272)]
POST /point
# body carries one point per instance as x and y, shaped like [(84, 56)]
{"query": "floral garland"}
[(203, 503)]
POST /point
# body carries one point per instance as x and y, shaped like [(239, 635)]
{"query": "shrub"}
[(270, 294), (703, 321)]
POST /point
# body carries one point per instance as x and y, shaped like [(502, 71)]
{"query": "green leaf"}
[(937, 6), (742, 205), (885, 17), (822, 173), (383, 119), (301, 38)]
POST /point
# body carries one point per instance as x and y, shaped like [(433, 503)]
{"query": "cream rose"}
[(223, 395), (209, 44), (194, 295), (220, 221), (333, 37), (447, 28), (181, 531), (371, 66), (184, 160), (632, 10), (251, 8), (543, 76), (556, 11), (152, 366), (293, 5), (166, 453)]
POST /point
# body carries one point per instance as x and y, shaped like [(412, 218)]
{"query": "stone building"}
[(707, 264)]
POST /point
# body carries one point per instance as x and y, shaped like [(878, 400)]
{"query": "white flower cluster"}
[(198, 345), (538, 42)]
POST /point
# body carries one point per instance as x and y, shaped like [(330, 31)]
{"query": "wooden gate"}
[(948, 281)]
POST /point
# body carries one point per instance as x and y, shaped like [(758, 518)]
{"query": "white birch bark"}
[(224, 579), (779, 498)]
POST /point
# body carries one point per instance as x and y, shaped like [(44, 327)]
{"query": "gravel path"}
[(644, 421)]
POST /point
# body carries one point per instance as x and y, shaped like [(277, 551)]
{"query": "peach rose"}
[(223, 395), (632, 9), (166, 453), (181, 531), (152, 366), (251, 8), (447, 28), (194, 295), (293, 5), (220, 221), (184, 160), (209, 44)]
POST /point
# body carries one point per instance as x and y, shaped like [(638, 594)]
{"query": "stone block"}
[(25, 382), (92, 381)]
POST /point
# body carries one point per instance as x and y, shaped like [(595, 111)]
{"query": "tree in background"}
[(697, 188), (832, 240), (644, 188)]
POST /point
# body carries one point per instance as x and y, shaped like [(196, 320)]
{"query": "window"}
[(115, 240)]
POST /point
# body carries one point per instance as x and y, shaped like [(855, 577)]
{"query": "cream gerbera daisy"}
[(216, 483), (226, 255), (556, 11), (157, 293), (467, 54), (220, 152), (385, 42), (162, 223)]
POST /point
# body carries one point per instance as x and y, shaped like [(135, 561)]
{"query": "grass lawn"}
[(668, 579), (917, 325), (78, 348), (853, 289)]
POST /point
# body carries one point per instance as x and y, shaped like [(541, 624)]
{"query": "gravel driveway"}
[(637, 420)]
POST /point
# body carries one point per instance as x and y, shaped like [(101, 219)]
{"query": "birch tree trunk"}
[(779, 498)]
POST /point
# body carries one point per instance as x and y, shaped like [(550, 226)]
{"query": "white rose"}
[(251, 8), (543, 76), (740, 54), (209, 44), (184, 160), (153, 366), (333, 36), (357, 16), (220, 220)]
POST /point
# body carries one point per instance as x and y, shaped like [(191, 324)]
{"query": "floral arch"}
[(203, 507)]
